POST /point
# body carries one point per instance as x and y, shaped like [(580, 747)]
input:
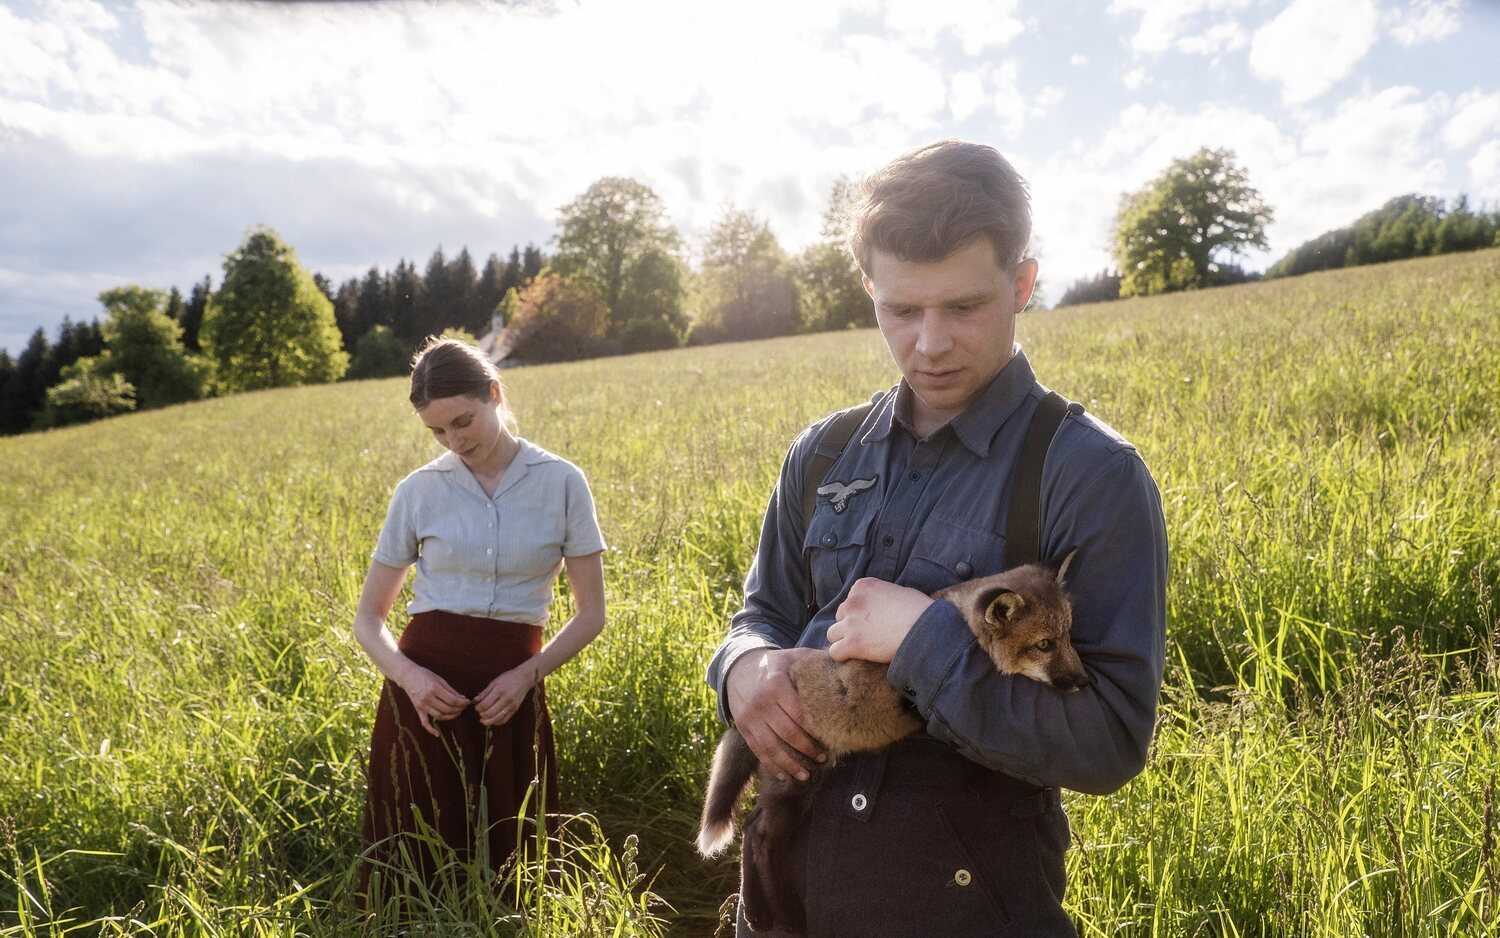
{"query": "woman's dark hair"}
[(448, 368)]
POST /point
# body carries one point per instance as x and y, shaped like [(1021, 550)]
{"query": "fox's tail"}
[(734, 763)]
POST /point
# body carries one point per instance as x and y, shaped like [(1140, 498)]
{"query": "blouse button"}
[(963, 877), (858, 802), (963, 569)]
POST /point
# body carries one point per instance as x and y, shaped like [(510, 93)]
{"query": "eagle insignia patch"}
[(839, 493)]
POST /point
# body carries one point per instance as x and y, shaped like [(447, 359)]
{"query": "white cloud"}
[(1078, 59), (1135, 78), (1222, 37), (1176, 24), (965, 95), (1076, 195), (981, 25), (1418, 21), (1476, 117), (1485, 168), (554, 100), (1376, 145), (1316, 172), (1312, 44)]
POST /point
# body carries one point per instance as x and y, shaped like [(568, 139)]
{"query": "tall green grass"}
[(184, 715)]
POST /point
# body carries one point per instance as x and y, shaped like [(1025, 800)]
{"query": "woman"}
[(462, 728)]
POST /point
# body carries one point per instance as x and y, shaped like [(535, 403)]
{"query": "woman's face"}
[(469, 426)]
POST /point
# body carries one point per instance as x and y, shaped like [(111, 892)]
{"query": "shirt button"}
[(963, 877), (963, 569), (858, 802), (888, 540), (916, 476), (490, 550), (828, 540)]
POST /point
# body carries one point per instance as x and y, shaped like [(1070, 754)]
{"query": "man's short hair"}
[(930, 202)]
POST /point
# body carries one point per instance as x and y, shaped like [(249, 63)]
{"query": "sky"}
[(140, 141)]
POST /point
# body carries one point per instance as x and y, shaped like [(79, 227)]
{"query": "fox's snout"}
[(1071, 680), (1065, 671)]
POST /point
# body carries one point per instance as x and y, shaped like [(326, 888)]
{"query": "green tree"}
[(404, 292), (746, 290), (606, 232), (269, 325), (1100, 288), (192, 314), (829, 281), (555, 320), (9, 423), (649, 312), (143, 344), (1172, 234), (24, 393), (87, 395), (379, 354)]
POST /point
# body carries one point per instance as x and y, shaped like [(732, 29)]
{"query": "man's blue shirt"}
[(927, 513)]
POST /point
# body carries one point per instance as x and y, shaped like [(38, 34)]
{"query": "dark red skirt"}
[(467, 785)]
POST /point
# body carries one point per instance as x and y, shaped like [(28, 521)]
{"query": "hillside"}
[(184, 714)]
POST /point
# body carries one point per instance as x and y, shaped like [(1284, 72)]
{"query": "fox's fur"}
[(1021, 618)]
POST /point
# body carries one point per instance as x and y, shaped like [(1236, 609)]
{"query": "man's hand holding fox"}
[(873, 620), (767, 712)]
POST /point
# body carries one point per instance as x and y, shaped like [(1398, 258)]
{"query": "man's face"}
[(950, 324)]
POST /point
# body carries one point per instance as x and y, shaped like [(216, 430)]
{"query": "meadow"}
[(184, 714)]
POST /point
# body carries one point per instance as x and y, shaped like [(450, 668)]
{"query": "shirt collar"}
[(978, 423), (527, 456)]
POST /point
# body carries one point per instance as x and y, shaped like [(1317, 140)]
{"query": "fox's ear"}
[(1000, 606), (1061, 566)]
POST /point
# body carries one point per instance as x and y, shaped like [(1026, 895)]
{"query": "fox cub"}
[(1021, 618)]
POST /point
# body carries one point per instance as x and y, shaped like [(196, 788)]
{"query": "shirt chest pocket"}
[(950, 550), (834, 545)]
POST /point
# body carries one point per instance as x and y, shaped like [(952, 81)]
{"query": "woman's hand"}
[(498, 702), (433, 698)]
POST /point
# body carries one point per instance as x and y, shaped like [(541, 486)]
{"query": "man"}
[(958, 830)]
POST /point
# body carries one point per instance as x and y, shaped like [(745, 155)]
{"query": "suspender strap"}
[(1023, 522), (1023, 525), (835, 438)]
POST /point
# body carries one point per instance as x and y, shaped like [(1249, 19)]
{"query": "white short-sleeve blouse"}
[(495, 557)]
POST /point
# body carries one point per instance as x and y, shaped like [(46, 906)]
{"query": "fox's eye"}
[(1044, 645)]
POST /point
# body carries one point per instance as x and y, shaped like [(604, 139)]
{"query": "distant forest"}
[(1407, 226), (446, 294), (617, 283)]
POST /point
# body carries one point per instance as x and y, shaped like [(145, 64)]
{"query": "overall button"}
[(963, 878), (858, 802), (828, 540), (964, 569)]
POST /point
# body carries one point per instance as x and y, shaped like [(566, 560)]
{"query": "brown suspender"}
[(1023, 523)]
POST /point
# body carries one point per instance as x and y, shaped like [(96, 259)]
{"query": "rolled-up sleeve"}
[(398, 543), (1093, 740), (583, 536), (775, 606)]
